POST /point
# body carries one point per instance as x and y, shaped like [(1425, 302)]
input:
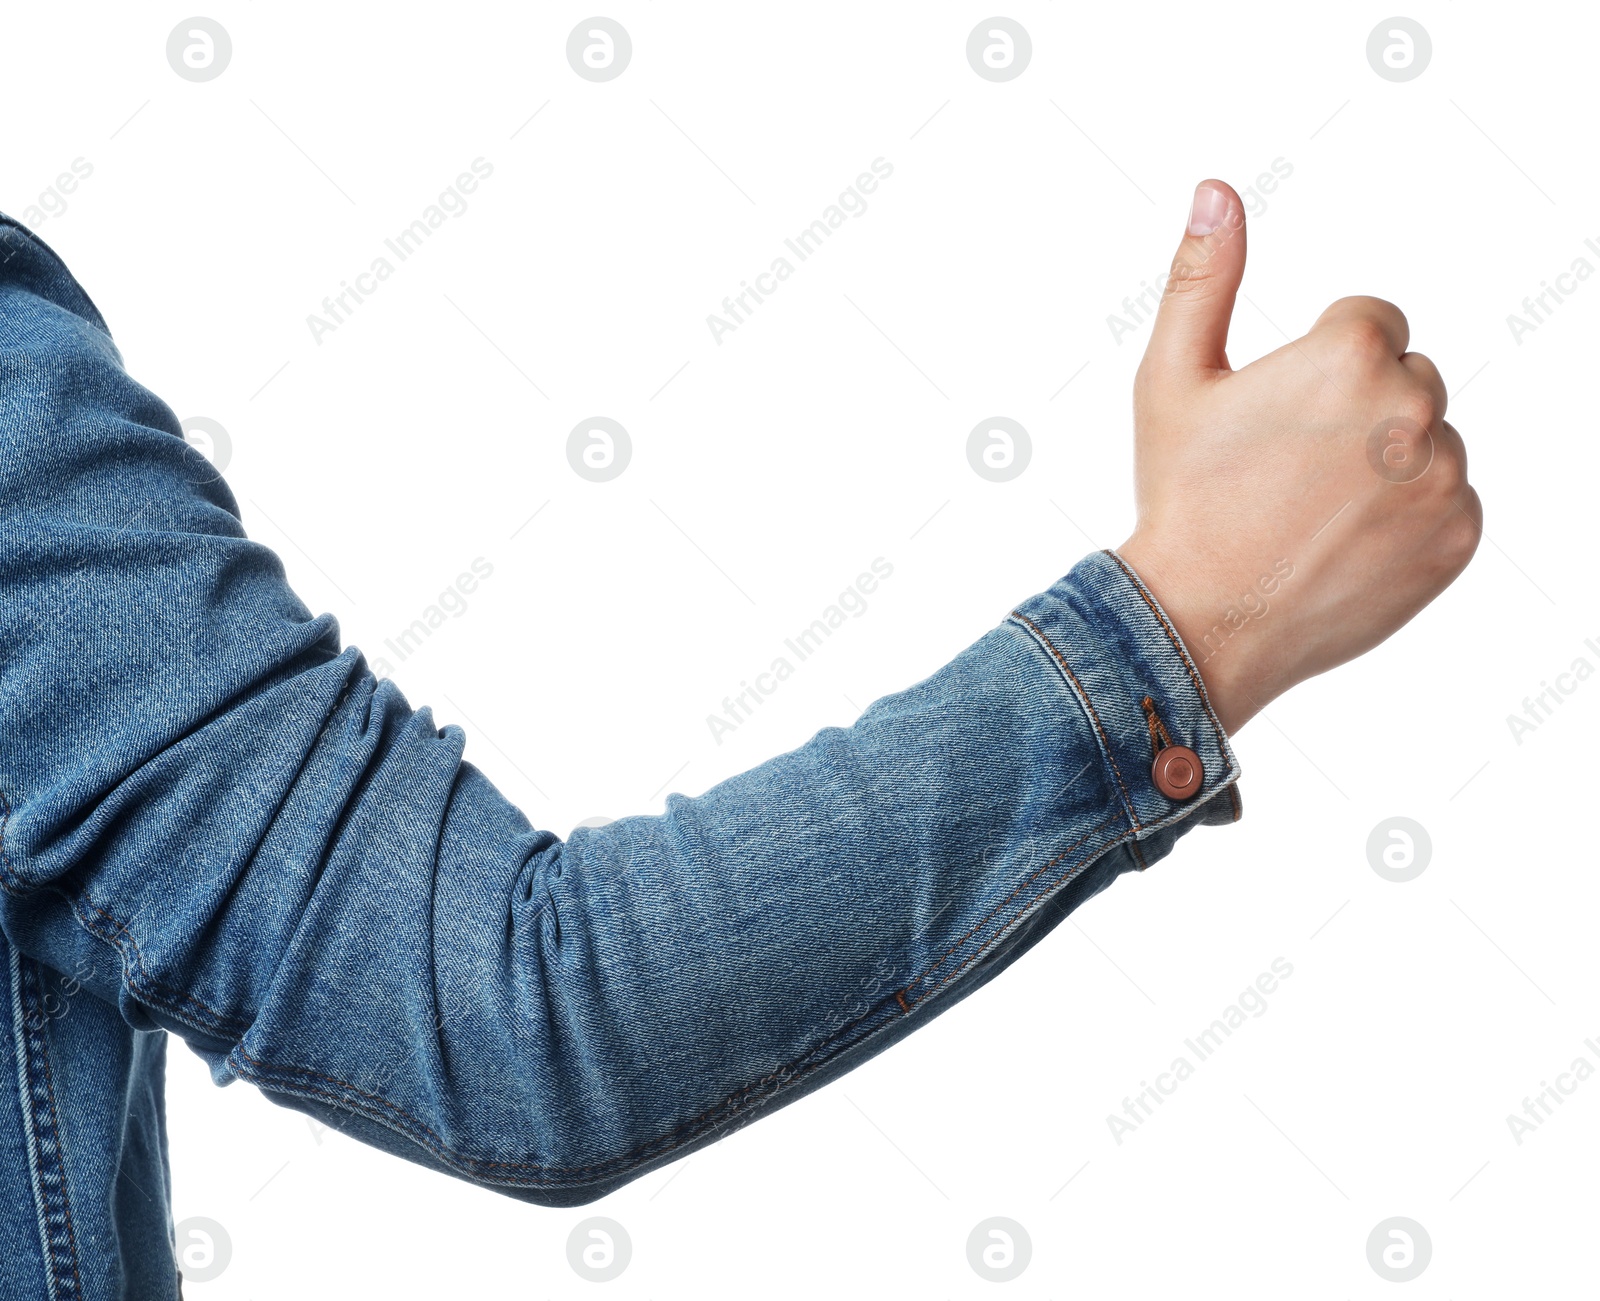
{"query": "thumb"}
[(1191, 329)]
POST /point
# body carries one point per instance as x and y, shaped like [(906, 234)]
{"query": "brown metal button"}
[(1177, 772)]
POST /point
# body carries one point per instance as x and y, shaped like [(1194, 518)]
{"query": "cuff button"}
[(1177, 772)]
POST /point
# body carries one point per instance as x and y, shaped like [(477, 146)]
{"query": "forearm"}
[(646, 986), (374, 933), (297, 873)]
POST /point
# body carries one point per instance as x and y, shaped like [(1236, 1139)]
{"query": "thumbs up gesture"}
[(1294, 513)]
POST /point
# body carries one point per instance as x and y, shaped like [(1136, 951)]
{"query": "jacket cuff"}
[(1115, 648)]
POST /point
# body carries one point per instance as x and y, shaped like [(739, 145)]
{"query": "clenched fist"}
[(1296, 512)]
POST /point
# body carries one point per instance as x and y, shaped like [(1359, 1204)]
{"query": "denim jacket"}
[(215, 822)]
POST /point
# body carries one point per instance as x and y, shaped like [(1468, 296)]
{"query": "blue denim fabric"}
[(216, 822)]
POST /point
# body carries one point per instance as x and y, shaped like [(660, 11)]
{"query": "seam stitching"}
[(1005, 928), (1177, 645), (659, 1146), (987, 917), (147, 986), (62, 1240), (1133, 815)]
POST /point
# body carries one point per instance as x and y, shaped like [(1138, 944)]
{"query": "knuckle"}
[(1382, 307), (1449, 473), (1362, 339), (1425, 374), (1462, 537), (1189, 272), (1366, 305), (1362, 331), (1444, 480), (1418, 406)]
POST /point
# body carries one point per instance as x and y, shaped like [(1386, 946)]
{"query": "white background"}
[(769, 470)]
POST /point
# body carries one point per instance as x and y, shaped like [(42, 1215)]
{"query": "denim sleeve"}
[(260, 846)]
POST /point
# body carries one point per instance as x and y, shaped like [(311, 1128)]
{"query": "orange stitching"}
[(1160, 738)]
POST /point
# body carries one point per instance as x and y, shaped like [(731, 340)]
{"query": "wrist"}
[(1225, 645), (1119, 656)]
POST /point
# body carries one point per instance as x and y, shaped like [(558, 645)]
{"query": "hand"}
[(1292, 514)]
